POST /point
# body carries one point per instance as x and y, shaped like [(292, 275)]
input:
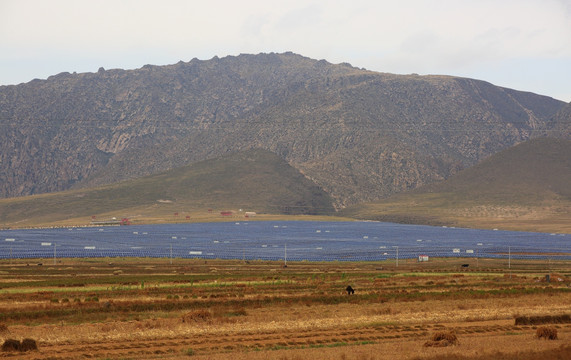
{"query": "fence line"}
[(277, 252)]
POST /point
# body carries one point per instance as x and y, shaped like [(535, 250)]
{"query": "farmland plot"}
[(124, 308)]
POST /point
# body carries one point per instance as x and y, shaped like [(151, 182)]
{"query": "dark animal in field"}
[(465, 265), (350, 290)]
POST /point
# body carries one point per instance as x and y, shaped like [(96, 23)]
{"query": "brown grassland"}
[(125, 308)]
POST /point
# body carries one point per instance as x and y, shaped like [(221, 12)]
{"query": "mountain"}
[(253, 180), (527, 186), (561, 123), (357, 134)]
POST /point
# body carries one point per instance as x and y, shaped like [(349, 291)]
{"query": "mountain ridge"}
[(359, 135)]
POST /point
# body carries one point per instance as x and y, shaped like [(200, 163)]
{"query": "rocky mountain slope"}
[(359, 135), (561, 123), (528, 173), (525, 187)]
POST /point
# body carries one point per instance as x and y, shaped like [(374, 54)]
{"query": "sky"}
[(519, 44)]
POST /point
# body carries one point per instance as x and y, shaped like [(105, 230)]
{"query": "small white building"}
[(422, 258)]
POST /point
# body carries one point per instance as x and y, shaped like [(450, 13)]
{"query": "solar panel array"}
[(295, 241)]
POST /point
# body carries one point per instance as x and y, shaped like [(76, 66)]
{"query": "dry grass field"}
[(194, 309)]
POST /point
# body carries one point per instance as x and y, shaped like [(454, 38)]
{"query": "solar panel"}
[(343, 241)]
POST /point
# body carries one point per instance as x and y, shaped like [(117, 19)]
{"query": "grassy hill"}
[(254, 180), (526, 187)]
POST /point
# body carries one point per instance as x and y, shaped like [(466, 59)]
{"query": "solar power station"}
[(296, 240)]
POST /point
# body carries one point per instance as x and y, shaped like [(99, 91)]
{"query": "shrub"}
[(546, 332), (11, 345), (441, 339), (449, 336), (28, 345), (15, 345), (197, 316)]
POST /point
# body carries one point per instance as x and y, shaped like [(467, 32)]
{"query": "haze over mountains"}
[(358, 135)]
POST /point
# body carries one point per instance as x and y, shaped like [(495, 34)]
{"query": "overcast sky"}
[(520, 44)]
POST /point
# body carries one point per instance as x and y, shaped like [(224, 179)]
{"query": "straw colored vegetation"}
[(441, 339), (546, 332), (151, 309)]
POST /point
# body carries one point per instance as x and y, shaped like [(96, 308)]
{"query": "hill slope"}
[(525, 187), (360, 135), (254, 180), (562, 123)]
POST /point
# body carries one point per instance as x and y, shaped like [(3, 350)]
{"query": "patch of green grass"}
[(332, 345), (384, 276), (189, 352)]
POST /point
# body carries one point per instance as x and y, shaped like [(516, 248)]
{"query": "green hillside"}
[(254, 180), (526, 187), (533, 171)]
